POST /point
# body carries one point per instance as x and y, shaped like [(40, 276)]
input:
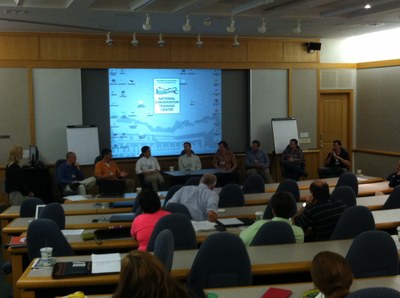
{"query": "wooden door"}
[(334, 120)]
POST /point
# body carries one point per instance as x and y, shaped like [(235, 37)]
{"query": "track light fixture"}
[(187, 27), (297, 29), (147, 26), (263, 27), (231, 27), (109, 40), (134, 41), (199, 43), (161, 42), (236, 43)]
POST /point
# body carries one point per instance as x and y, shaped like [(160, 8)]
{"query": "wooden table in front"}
[(272, 259), (297, 289)]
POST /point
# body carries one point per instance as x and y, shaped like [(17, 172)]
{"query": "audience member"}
[(70, 176), (15, 183), (106, 169), (331, 275), (281, 209), (188, 160), (394, 178), (224, 159), (201, 200), (149, 167), (293, 162), (143, 224), (321, 213), (336, 163), (143, 275), (257, 162)]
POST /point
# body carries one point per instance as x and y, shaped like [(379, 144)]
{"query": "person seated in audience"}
[(394, 178), (282, 209), (143, 276), (149, 168), (293, 162), (201, 200), (70, 176), (224, 159), (106, 169), (320, 215), (331, 274), (336, 163), (188, 160), (257, 162), (15, 183), (143, 224)]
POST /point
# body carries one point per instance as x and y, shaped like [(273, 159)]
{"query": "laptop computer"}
[(235, 222), (112, 188), (39, 209)]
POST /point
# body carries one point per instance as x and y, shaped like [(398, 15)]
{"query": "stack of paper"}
[(106, 263), (203, 225)]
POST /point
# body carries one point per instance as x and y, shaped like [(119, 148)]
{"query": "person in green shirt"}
[(281, 210)]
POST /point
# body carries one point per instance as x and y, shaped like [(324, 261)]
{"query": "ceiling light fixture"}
[(263, 27), (109, 40), (297, 29), (187, 27), (367, 6), (161, 42), (134, 41), (231, 27), (199, 43), (236, 43), (147, 26)]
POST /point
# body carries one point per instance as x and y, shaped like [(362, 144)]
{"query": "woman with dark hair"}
[(143, 224), (224, 159), (142, 276), (331, 274)]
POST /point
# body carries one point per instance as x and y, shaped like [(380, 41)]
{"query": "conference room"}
[(55, 79)]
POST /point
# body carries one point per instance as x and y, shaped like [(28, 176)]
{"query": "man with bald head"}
[(319, 217), (201, 200)]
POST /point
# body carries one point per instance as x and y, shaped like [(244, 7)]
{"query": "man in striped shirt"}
[(320, 215)]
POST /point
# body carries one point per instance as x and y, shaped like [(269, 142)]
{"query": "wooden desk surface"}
[(297, 289), (387, 219)]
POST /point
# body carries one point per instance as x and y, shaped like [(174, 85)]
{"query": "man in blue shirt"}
[(70, 176), (257, 162)]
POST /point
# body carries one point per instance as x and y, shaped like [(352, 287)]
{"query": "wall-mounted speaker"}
[(313, 46)]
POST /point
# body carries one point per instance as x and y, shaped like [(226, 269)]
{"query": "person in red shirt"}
[(143, 224)]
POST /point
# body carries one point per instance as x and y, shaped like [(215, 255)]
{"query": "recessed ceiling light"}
[(367, 6)]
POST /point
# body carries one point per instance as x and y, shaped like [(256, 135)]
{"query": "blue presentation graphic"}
[(163, 108)]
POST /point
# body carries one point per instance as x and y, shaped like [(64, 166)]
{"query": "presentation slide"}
[(163, 108)]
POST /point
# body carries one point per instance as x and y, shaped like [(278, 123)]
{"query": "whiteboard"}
[(84, 141), (283, 129)]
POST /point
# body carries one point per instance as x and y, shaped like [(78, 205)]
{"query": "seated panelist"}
[(188, 160)]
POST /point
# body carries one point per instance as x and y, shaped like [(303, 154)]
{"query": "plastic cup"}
[(46, 254)]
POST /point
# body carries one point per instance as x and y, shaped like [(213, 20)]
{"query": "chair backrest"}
[(28, 207), (353, 221), (375, 292), (180, 226), (193, 181), (44, 232), (222, 261), (178, 208), (171, 191), (254, 184), (268, 214), (373, 253), (291, 186), (58, 163), (274, 232), (393, 201), (97, 159), (164, 248), (345, 194), (349, 179), (55, 212), (231, 195)]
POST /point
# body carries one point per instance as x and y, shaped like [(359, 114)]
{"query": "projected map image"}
[(163, 108)]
